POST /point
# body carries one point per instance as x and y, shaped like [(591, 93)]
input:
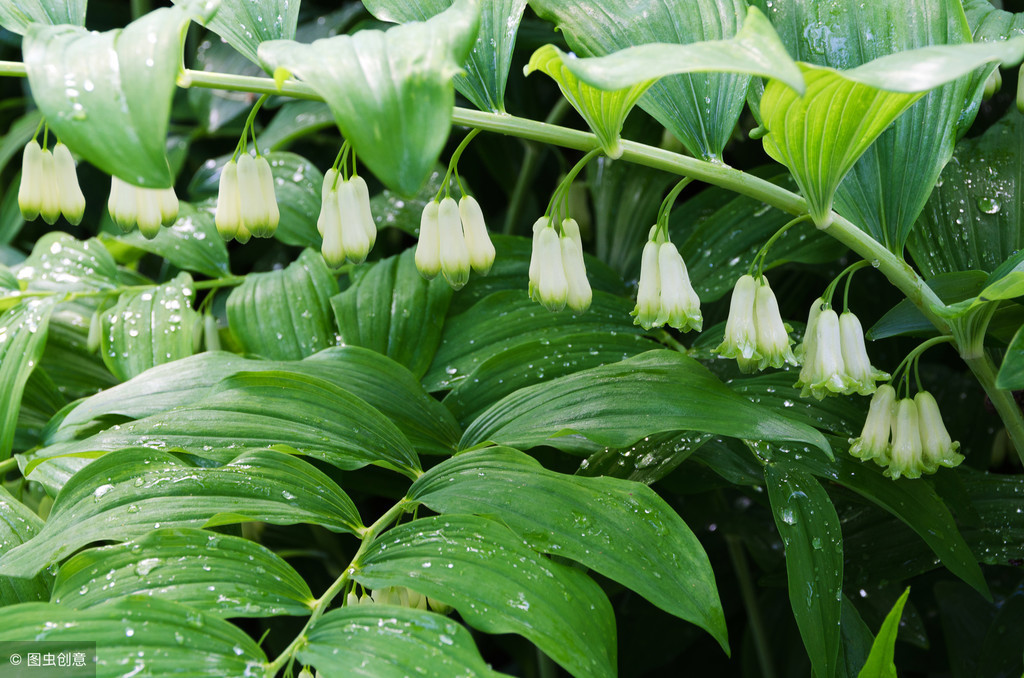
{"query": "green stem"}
[(247, 129), (454, 162), (321, 604), (563, 187), (763, 252), (7, 465), (985, 372), (666, 205), (757, 630), (140, 8)]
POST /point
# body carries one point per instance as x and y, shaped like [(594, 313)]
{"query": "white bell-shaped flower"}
[(906, 457), (538, 227), (454, 252), (147, 208), (428, 248), (648, 292), (551, 286), (579, 295), (937, 447), (740, 341), (354, 238), (365, 214), (825, 370), (478, 241), (30, 191), (680, 305), (772, 337), (72, 202), (49, 209), (855, 356), (875, 438), (228, 215)]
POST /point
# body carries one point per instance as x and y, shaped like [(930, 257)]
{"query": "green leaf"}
[(616, 405), (22, 340), (292, 121), (809, 527), (244, 24), (880, 661), (972, 219), (216, 109), (604, 111), (621, 529), (990, 23), (108, 95), (285, 314), (386, 641), (191, 243), (17, 525), (391, 93), (17, 15), (498, 585), (1011, 372), (126, 494), (537, 361), (905, 318), (62, 263), (149, 327), (504, 320), (701, 110), (487, 68), (820, 136), (220, 575), (262, 409), (390, 209), (172, 638), (391, 309)]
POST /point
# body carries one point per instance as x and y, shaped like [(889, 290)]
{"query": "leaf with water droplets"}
[(391, 309), (62, 263), (218, 574), (261, 409), (498, 585), (619, 528), (391, 92), (149, 327), (128, 493), (616, 405), (285, 314), (483, 83), (108, 95), (386, 641), (141, 634), (191, 243), (17, 525), (880, 661), (244, 24), (22, 340), (17, 15), (809, 527)]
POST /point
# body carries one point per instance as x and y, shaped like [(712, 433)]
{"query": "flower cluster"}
[(558, 275), (906, 436), (754, 332), (665, 294), (49, 185), (345, 221), (834, 356), (246, 204), (397, 595), (149, 208), (453, 239)]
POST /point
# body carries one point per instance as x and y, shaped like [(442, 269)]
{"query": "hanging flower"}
[(428, 248), (229, 204), (754, 332), (664, 293), (874, 441), (363, 211), (454, 252), (345, 220), (648, 293), (579, 295), (855, 355), (478, 241), (147, 208), (772, 336), (246, 202), (548, 283), (835, 359), (938, 448), (906, 457), (49, 186)]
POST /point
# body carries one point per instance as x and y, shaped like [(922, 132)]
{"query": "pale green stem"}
[(7, 465), (321, 604), (757, 630), (985, 372)]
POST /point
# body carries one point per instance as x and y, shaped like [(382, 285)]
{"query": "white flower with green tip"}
[(875, 438), (579, 293), (478, 241), (906, 458), (428, 247), (855, 355), (740, 341), (454, 252), (938, 448)]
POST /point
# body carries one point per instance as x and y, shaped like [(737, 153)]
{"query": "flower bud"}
[(149, 215), (772, 337), (329, 224), (874, 440), (648, 293), (740, 339), (906, 455), (327, 197), (228, 215), (855, 356), (252, 206), (680, 305), (805, 351), (478, 241), (265, 193), (580, 294), (242, 235), (363, 207), (538, 226), (72, 202), (30, 193), (168, 201), (552, 286), (938, 448), (454, 253), (826, 370), (49, 208), (428, 248), (353, 237)]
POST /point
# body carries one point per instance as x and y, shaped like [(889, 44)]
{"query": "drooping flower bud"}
[(906, 458), (579, 295), (252, 206), (228, 215), (478, 241), (121, 204), (354, 239), (805, 351), (938, 448), (538, 227), (72, 202), (551, 286), (740, 341), (826, 370), (327, 197), (49, 209), (454, 252), (855, 356), (147, 210), (428, 248), (30, 192), (874, 440), (264, 193), (648, 293), (772, 337), (362, 192), (680, 305), (329, 225)]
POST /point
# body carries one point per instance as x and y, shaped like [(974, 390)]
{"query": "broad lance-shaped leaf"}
[(142, 634), (191, 243), (701, 110), (880, 661), (285, 314), (221, 575), (17, 15), (262, 409), (809, 527), (618, 404), (394, 311), (498, 585), (487, 68), (149, 327), (1011, 372), (391, 92), (18, 524), (244, 24), (126, 494), (618, 528), (381, 382), (821, 135), (386, 641), (62, 263), (22, 340), (108, 95), (605, 89)]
